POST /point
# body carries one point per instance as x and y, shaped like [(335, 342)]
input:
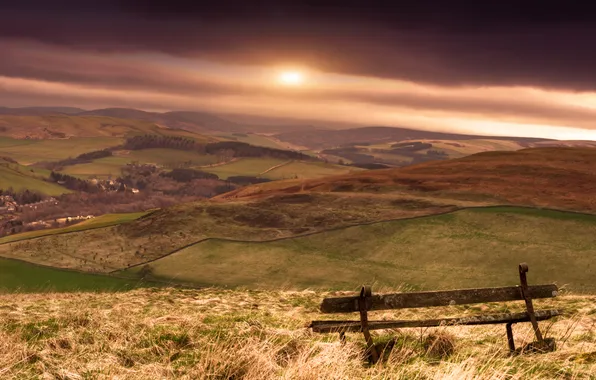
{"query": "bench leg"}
[(523, 269), (510, 340), (342, 337), (364, 293)]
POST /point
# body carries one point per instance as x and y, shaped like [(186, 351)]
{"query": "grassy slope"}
[(163, 231), (99, 222), (24, 277), (222, 334), (469, 248), (21, 178)]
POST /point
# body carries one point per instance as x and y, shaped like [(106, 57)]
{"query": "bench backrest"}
[(436, 298)]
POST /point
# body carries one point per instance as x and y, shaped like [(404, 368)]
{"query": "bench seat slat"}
[(436, 298), (354, 326)]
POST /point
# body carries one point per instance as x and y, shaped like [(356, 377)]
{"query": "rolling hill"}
[(62, 126), (321, 139), (201, 122), (465, 249), (562, 178)]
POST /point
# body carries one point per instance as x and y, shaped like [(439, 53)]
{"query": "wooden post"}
[(510, 340), (523, 269), (366, 292)]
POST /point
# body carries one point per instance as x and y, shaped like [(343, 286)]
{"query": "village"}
[(11, 212)]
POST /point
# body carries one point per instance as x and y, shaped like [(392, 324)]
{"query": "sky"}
[(490, 67)]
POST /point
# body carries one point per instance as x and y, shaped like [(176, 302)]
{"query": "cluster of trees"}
[(188, 175), (80, 159), (157, 141), (241, 149), (73, 183), (23, 197)]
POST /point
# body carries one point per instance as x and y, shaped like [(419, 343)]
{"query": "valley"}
[(236, 209)]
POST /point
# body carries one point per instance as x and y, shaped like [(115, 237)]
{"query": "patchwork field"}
[(244, 166), (300, 169), (468, 248), (277, 169), (234, 334), (111, 166), (28, 152)]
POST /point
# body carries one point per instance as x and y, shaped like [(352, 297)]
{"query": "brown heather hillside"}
[(563, 178)]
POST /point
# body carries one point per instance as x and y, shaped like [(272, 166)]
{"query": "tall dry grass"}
[(224, 334)]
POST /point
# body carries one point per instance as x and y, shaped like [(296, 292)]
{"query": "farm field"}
[(225, 334), (102, 221), (19, 178), (244, 166), (54, 149), (111, 166), (303, 169), (467, 248)]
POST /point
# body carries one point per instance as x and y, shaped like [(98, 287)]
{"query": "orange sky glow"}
[(35, 74)]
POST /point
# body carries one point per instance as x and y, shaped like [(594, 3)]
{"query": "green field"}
[(99, 222), (244, 166), (299, 169), (468, 248), (111, 166), (288, 169), (28, 152), (17, 276), (20, 178)]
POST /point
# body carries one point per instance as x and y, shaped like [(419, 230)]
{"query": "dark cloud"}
[(443, 42)]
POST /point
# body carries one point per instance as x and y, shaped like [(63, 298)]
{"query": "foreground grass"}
[(99, 222), (223, 334)]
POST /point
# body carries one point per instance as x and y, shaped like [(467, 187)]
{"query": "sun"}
[(291, 78)]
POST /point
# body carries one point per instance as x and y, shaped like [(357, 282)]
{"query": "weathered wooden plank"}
[(354, 326), (436, 298)]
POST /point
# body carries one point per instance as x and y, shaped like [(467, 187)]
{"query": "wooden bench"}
[(366, 301)]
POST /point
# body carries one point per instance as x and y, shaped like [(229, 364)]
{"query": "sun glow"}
[(291, 78)]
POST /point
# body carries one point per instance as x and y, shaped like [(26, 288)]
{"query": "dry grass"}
[(225, 334)]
